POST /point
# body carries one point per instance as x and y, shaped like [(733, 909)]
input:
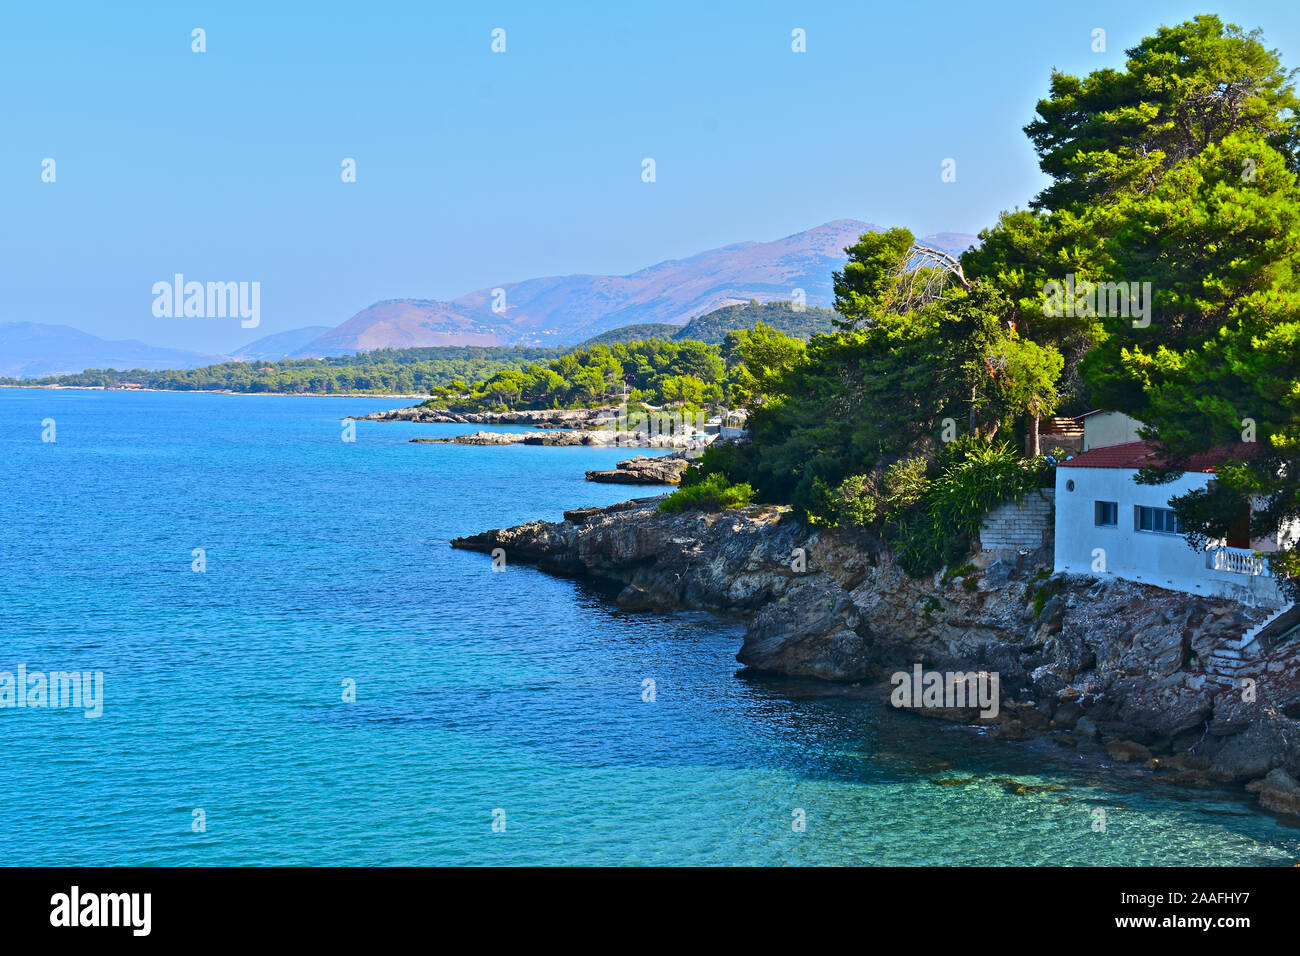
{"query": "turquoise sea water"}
[(475, 691)]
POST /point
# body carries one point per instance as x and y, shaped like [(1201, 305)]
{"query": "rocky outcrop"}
[(579, 515), (722, 561), (1107, 666), (1280, 793), (539, 418), (665, 470), (600, 437)]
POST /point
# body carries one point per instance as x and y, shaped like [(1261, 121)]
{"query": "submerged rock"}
[(1127, 750), (1280, 793)]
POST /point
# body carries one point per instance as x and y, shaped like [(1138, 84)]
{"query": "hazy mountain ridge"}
[(272, 348), (33, 349), (563, 310), (546, 311), (39, 350)]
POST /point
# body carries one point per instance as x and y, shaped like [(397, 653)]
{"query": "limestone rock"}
[(1126, 751), (538, 418), (1280, 793), (1105, 655), (643, 471)]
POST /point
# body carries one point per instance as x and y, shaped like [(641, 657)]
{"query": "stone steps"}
[(1247, 639), (1231, 658)]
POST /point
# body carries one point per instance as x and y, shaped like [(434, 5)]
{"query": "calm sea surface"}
[(477, 693)]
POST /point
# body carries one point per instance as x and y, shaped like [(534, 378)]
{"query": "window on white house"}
[(1156, 520), (1105, 514)]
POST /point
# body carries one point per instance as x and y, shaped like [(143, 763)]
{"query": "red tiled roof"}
[(1140, 454)]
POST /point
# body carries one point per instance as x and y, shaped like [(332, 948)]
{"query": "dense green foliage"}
[(712, 329), (897, 386), (711, 493), (781, 316), (656, 372), (383, 371), (1178, 171), (977, 477), (973, 478), (633, 333), (757, 361)]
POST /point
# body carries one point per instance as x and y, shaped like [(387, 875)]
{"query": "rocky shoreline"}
[(562, 427), (663, 470), (1110, 669), (602, 438), (543, 418)]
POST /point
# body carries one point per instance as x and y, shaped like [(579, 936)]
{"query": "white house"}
[(730, 425), (1102, 428), (1106, 523)]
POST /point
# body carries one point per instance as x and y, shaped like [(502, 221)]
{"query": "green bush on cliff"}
[(904, 483), (710, 493), (976, 477), (981, 476), (922, 544), (853, 502)]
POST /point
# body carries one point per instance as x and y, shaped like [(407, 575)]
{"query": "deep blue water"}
[(476, 691)]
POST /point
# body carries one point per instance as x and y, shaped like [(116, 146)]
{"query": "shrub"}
[(813, 493), (1285, 568), (710, 493), (922, 546), (961, 571), (853, 502), (862, 500), (904, 484), (975, 477), (728, 459), (983, 478)]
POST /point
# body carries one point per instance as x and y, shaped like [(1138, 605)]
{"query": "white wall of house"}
[(1101, 429), (1287, 536), (1162, 560)]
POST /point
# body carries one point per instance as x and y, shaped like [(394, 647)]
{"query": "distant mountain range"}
[(554, 311), (33, 350), (272, 348), (561, 310)]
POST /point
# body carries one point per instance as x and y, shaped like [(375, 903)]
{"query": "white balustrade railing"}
[(1238, 561)]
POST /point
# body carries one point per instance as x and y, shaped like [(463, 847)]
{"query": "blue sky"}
[(475, 168)]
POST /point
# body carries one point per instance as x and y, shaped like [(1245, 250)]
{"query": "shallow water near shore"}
[(515, 693)]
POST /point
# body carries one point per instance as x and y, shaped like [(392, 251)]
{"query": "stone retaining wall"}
[(1020, 527)]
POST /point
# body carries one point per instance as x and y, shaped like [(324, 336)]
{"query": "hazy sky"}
[(476, 168)]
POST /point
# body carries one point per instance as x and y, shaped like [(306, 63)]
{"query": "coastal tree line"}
[(1177, 174), (382, 371), (662, 364), (658, 372)]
